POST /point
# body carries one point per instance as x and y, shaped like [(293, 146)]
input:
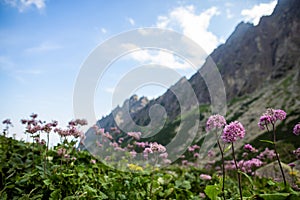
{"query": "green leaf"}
[(275, 196), (267, 141), (47, 182), (227, 148), (212, 191), (56, 194), (248, 177)]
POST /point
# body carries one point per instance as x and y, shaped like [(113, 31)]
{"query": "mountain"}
[(260, 68)]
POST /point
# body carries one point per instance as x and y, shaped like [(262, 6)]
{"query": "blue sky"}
[(43, 44)]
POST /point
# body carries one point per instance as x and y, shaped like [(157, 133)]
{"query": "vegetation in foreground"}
[(32, 170)]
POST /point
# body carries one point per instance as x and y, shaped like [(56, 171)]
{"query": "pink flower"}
[(135, 135), (233, 131), (33, 116), (292, 165), (205, 177), (191, 149), (155, 147), (7, 122), (249, 148), (141, 144), (196, 155), (215, 121), (61, 151), (164, 155), (133, 153), (93, 161), (296, 129), (297, 153)]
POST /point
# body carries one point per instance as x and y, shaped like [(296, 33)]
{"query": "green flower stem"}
[(223, 167), (238, 173), (277, 156)]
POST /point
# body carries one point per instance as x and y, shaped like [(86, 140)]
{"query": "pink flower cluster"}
[(155, 147), (271, 116), (267, 154), (33, 125), (193, 148), (135, 135), (233, 131), (296, 129), (215, 121), (81, 122), (248, 165)]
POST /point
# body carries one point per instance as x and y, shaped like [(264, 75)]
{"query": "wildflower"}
[(121, 140), (155, 147), (93, 161), (43, 142), (164, 155), (215, 121), (135, 167), (61, 151), (81, 122), (267, 154), (167, 161), (191, 149), (141, 144), (33, 116), (210, 153), (292, 165), (133, 153), (202, 195), (7, 122), (184, 162), (205, 177), (249, 148), (233, 131), (196, 155), (296, 129), (135, 135), (297, 153), (271, 116)]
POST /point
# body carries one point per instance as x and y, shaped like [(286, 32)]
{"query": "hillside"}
[(260, 68)]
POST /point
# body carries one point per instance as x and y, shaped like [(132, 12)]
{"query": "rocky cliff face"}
[(253, 59)]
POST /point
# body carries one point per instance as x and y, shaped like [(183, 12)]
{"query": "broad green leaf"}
[(212, 191)]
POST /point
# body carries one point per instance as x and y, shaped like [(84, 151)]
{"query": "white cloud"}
[(256, 12), (43, 47), (103, 30), (159, 57), (131, 21), (192, 25), (229, 14), (23, 5)]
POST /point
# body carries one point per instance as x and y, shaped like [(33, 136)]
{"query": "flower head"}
[(271, 116), (205, 177), (296, 129), (215, 121), (7, 122), (233, 131), (135, 135), (250, 148)]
